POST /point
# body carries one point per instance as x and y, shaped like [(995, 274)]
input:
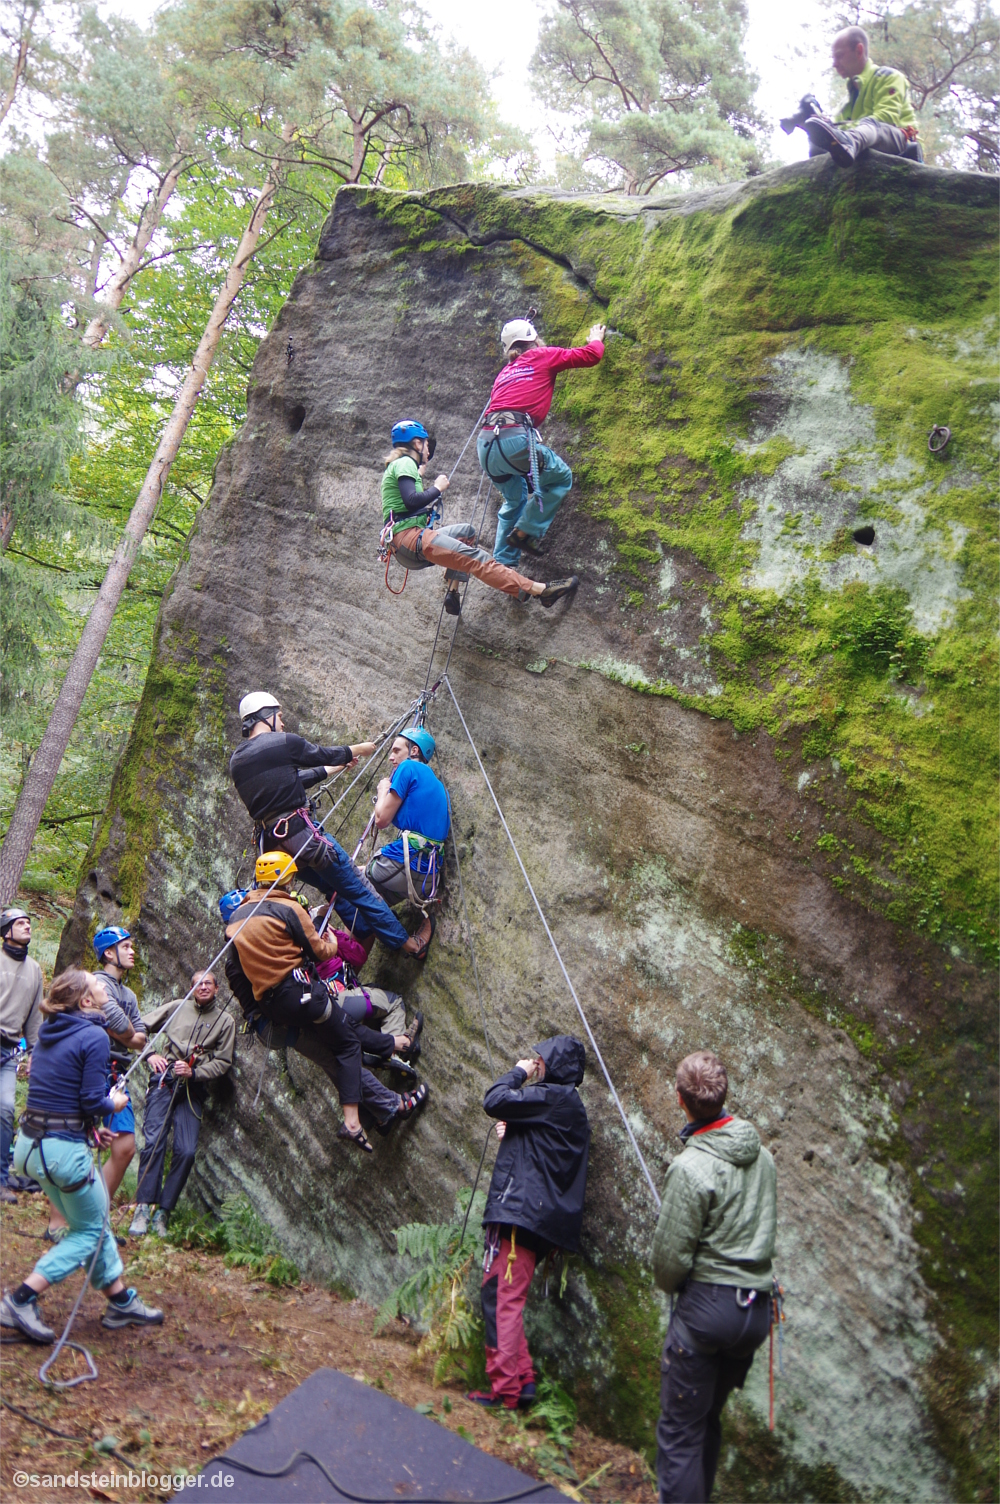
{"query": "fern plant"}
[(243, 1235), (441, 1291)]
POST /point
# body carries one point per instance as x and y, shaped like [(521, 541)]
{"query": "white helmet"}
[(518, 331), (252, 707)]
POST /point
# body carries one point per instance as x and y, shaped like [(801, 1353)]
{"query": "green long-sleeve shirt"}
[(212, 1029), (882, 93)]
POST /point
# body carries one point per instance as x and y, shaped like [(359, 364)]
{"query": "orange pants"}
[(454, 549)]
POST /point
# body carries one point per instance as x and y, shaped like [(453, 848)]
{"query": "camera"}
[(809, 106)]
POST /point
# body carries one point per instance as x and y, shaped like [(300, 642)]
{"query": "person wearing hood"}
[(712, 1249), (535, 1201), (67, 1097), (20, 1014)]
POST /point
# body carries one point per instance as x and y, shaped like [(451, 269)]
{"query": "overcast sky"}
[(787, 47)]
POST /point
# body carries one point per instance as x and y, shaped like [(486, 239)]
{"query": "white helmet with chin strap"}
[(258, 706), (517, 332)]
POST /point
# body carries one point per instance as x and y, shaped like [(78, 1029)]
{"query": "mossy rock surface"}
[(751, 770)]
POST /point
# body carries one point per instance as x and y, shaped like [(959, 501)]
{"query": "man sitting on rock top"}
[(878, 113)]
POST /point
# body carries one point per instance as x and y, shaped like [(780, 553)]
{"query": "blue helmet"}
[(108, 938), (406, 430), (230, 902), (420, 737)]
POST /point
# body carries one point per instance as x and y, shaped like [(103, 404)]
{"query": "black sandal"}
[(409, 1103), (360, 1138)]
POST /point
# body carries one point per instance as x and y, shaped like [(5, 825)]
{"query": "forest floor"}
[(231, 1348)]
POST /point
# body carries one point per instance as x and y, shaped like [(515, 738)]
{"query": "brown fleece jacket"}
[(266, 950)]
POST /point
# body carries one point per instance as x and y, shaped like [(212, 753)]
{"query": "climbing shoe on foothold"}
[(526, 541), (556, 590), (413, 1034), (26, 1318), (418, 944), (360, 1139), (526, 1398), (140, 1222), (453, 603), (158, 1225), (842, 145), (395, 1063), (409, 1104), (130, 1312)]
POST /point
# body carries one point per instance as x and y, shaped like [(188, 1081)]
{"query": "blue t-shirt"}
[(424, 810)]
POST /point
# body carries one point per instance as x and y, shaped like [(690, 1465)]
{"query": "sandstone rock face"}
[(703, 778)]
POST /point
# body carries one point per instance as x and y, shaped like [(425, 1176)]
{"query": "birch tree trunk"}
[(147, 227), (44, 766)]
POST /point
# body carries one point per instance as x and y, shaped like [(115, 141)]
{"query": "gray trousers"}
[(871, 134), (388, 1010), (388, 878)]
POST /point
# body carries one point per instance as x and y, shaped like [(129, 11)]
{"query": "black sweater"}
[(272, 771)]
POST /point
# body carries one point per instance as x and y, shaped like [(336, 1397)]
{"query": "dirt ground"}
[(169, 1398)]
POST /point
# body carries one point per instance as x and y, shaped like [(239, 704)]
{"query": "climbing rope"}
[(552, 942)]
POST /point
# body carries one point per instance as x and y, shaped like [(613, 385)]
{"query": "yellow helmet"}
[(274, 867)]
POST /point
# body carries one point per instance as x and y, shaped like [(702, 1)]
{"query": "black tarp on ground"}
[(374, 1447)]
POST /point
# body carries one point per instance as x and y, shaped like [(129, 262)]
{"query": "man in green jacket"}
[(878, 112), (712, 1249)]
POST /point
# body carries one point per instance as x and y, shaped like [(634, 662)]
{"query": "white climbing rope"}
[(545, 924)]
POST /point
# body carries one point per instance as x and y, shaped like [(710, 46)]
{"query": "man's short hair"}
[(702, 1083), (857, 36), (197, 977)]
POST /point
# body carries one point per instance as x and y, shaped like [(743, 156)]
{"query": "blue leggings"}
[(86, 1210)]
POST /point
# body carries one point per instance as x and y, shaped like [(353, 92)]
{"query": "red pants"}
[(505, 1289)]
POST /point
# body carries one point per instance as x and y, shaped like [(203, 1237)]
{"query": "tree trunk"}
[(24, 47), (147, 227), (45, 764)]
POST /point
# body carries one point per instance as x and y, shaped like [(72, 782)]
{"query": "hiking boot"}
[(418, 944), (158, 1225), (27, 1319), (453, 603), (413, 1034), (134, 1313), (7, 1197), (842, 145), (140, 1222), (556, 590)]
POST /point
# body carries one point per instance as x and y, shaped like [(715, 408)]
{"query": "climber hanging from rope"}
[(412, 531), (415, 800), (277, 951), (271, 771), (532, 478)]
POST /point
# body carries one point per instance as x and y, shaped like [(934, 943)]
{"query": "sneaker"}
[(135, 1313), (27, 1319), (158, 1226), (140, 1222), (453, 603), (7, 1197), (556, 590)]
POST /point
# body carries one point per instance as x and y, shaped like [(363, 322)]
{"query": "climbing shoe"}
[(419, 942), (526, 541), (413, 1034), (409, 1104), (526, 1398), (140, 1222), (55, 1234), (556, 590), (158, 1225), (453, 603), (26, 1318), (395, 1063), (131, 1312), (360, 1138), (842, 145)]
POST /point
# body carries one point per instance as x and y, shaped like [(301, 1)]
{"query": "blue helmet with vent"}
[(420, 737), (406, 430), (107, 938), (230, 902)]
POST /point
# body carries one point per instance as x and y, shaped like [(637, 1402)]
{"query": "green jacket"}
[(392, 501), (719, 1213), (882, 93)]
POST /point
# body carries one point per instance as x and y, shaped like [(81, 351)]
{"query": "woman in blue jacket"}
[(67, 1098)]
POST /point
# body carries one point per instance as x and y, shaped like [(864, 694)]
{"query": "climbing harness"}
[(520, 429), (422, 843), (777, 1319)]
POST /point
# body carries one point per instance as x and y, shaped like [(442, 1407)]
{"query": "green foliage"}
[(440, 1293), (554, 1410), (653, 89), (242, 1234)]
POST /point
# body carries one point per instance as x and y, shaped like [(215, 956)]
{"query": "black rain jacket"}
[(540, 1175)]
